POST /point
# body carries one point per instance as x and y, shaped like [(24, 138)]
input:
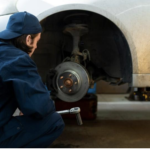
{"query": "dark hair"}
[(20, 42)]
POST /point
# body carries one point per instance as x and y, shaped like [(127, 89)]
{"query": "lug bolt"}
[(61, 87), (75, 83), (70, 90), (70, 75), (61, 77)]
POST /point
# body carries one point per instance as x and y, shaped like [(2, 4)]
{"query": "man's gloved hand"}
[(51, 82)]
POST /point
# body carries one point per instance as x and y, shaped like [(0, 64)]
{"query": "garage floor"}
[(120, 124)]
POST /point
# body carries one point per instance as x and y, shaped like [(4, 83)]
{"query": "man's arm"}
[(31, 95)]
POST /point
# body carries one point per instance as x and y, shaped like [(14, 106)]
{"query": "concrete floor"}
[(120, 124)]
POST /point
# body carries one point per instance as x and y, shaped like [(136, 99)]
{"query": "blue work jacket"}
[(20, 87)]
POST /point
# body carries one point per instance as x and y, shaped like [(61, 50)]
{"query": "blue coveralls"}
[(21, 87)]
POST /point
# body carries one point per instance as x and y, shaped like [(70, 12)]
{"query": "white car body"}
[(132, 17)]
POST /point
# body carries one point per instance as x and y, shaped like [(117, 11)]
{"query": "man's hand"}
[(20, 114)]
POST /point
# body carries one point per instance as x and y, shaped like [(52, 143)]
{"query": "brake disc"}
[(72, 81)]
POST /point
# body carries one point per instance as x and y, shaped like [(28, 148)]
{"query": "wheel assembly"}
[(72, 81)]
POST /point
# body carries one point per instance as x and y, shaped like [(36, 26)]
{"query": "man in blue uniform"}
[(21, 87)]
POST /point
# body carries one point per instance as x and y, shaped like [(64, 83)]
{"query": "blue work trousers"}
[(35, 133)]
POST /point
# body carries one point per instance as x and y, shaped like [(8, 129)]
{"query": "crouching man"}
[(21, 87)]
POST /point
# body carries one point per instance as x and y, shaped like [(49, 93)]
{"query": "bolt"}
[(61, 77), (70, 90), (61, 87), (75, 83), (70, 75)]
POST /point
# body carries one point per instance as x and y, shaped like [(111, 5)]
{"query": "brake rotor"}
[(72, 81)]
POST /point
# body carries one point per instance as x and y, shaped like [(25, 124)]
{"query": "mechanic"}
[(21, 87)]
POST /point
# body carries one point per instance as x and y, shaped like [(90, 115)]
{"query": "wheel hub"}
[(72, 81), (68, 82)]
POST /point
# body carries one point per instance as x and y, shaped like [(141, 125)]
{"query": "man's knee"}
[(56, 122), (52, 123)]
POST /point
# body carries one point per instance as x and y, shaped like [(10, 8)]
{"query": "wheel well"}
[(110, 52)]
